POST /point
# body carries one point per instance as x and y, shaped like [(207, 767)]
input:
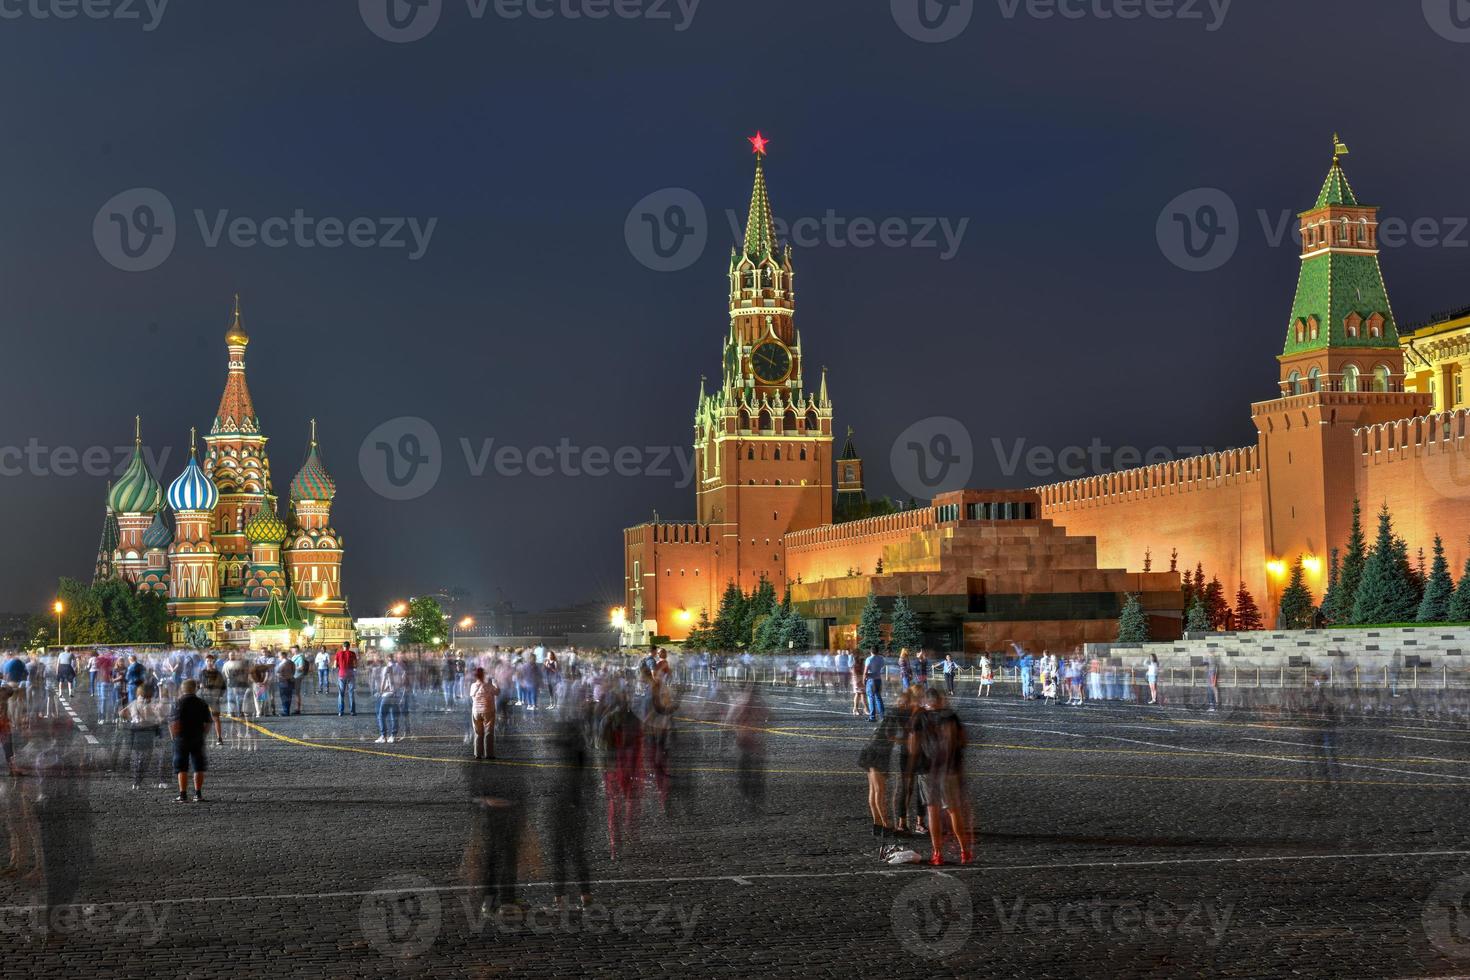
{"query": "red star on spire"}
[(759, 142)]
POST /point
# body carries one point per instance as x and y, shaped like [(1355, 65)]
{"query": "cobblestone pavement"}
[(1115, 840)]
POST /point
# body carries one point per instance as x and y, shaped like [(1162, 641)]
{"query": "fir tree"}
[(794, 633), (1199, 580), (762, 602), (904, 632), (1411, 571), (1351, 575), (1132, 623), (870, 626), (1216, 608), (1296, 600), (1333, 593), (729, 617), (702, 637), (1460, 601), (1435, 606), (766, 636), (1247, 613), (1385, 594), (1198, 620)]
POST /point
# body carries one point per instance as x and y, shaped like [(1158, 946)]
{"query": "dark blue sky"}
[(528, 319)]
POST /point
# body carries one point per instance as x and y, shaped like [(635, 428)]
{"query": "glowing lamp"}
[(57, 607), (685, 615), (1312, 564), (619, 618), (1276, 567)]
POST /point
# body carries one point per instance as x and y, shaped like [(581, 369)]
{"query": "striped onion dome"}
[(192, 490), (158, 536), (137, 492), (313, 482), (265, 527)]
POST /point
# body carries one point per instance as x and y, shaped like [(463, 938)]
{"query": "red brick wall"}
[(1210, 518), (1421, 468)]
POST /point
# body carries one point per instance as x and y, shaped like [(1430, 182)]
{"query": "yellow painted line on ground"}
[(856, 774)]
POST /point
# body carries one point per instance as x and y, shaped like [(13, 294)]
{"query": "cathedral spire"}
[(236, 413)]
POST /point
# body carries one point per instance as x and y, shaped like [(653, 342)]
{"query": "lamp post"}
[(58, 608)]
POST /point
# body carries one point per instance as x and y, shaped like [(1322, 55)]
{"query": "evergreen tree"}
[(762, 603), (1411, 572), (904, 632), (702, 637), (1460, 602), (1296, 600), (870, 626), (1132, 624), (1351, 574), (1385, 594), (794, 633), (1197, 620), (1330, 597), (1247, 613), (729, 617), (1435, 606), (1216, 608), (766, 636), (1199, 581)]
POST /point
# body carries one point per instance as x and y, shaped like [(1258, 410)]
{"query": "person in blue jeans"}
[(1025, 666), (346, 661), (135, 676), (873, 684)]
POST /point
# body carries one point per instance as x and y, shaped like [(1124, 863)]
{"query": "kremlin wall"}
[(1360, 412)]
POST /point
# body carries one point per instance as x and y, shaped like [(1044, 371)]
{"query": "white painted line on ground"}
[(752, 878)]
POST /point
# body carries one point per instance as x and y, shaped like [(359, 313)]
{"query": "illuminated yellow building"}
[(1437, 360)]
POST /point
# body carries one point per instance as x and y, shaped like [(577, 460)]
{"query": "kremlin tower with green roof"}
[(229, 561)]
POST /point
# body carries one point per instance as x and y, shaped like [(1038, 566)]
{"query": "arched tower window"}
[(1380, 378), (1314, 379), (1350, 378), (1294, 383)]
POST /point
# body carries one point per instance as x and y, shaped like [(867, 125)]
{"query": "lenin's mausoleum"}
[(1360, 411)]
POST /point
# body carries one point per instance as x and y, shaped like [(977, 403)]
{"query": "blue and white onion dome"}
[(192, 490)]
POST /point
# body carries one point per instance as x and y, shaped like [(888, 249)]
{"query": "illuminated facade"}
[(229, 563)]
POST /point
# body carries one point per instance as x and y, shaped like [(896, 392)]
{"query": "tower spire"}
[(760, 224), (137, 431)]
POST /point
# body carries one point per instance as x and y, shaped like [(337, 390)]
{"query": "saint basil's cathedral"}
[(232, 567)]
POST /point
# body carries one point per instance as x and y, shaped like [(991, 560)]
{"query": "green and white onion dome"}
[(137, 492)]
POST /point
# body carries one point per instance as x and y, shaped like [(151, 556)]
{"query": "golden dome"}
[(236, 336)]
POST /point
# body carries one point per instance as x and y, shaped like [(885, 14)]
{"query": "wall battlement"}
[(908, 520), (1446, 430), (1178, 476)]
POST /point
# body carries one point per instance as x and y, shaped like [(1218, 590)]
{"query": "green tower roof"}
[(760, 225), (294, 614), (137, 492), (1336, 189), (274, 617)]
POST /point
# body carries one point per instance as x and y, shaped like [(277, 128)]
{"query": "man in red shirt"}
[(346, 661)]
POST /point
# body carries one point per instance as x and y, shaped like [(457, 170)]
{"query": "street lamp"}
[(399, 609), (619, 618), (58, 608)]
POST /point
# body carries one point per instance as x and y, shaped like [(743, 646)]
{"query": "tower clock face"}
[(771, 362)]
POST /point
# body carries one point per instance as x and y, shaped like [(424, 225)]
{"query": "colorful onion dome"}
[(236, 336), (191, 489), (265, 527), (158, 536), (137, 492), (313, 482)]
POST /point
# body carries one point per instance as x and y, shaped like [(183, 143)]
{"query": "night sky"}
[(529, 319)]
